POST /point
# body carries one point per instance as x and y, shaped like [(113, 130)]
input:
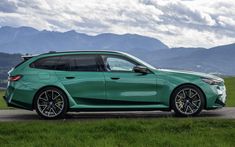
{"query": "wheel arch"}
[(187, 84), (48, 86)]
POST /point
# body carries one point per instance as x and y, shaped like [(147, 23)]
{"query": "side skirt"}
[(116, 109)]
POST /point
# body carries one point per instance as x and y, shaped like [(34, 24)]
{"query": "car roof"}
[(54, 53), (78, 51)]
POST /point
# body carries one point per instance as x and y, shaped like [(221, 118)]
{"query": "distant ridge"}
[(220, 59), (30, 40)]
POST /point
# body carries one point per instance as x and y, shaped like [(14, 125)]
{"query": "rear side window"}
[(68, 63), (46, 63), (63, 64), (84, 63)]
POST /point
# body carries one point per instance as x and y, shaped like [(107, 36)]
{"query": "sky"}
[(177, 23)]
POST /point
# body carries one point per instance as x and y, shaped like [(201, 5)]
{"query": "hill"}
[(30, 40), (219, 60)]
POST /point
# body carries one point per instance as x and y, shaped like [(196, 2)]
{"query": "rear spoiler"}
[(27, 57)]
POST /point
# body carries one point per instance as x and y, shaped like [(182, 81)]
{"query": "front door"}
[(124, 86)]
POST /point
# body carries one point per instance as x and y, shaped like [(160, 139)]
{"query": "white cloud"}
[(7, 6), (203, 23)]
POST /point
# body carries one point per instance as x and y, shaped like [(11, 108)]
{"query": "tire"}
[(51, 103), (187, 100)]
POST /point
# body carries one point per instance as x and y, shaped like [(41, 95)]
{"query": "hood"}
[(199, 74)]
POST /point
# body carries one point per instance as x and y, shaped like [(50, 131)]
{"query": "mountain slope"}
[(29, 40), (7, 61), (219, 59)]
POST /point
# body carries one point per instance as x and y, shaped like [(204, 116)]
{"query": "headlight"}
[(212, 81)]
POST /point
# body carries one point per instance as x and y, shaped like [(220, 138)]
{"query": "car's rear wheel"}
[(187, 100), (51, 103)]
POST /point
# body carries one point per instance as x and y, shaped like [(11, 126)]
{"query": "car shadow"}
[(152, 114), (73, 116)]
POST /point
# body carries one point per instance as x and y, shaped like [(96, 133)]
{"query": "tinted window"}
[(113, 63), (46, 63), (64, 63), (78, 63), (68, 63), (86, 63)]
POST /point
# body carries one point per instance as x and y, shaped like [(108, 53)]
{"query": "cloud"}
[(198, 23), (178, 11), (7, 6)]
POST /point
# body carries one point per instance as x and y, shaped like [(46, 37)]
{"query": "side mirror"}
[(141, 69)]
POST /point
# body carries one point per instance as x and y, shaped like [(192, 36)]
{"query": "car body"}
[(108, 80)]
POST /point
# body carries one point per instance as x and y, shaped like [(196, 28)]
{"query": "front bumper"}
[(221, 99), (215, 95), (221, 90)]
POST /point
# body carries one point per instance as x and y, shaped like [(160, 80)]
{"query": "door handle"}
[(69, 77), (115, 78)]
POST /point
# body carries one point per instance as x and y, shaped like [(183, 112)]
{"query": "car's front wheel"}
[(51, 103), (187, 100)]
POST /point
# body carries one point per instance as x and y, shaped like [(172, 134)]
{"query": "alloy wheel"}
[(50, 103), (188, 101)]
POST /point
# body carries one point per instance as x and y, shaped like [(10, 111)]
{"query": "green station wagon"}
[(57, 82)]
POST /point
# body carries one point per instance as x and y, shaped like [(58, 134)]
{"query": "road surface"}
[(24, 115)]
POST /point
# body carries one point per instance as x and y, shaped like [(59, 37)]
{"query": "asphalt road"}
[(24, 115)]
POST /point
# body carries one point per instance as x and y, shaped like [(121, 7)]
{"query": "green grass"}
[(230, 85), (119, 132), (229, 81), (2, 102), (122, 132)]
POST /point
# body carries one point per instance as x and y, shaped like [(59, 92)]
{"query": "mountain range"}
[(22, 40)]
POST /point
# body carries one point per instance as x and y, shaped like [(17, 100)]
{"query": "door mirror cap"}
[(141, 69)]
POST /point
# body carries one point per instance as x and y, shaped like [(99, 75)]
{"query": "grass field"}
[(230, 85), (2, 102), (120, 132), (168, 132)]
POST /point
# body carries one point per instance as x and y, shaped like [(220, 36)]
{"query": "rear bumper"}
[(4, 98), (16, 104)]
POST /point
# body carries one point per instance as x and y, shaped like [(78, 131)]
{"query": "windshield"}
[(140, 61)]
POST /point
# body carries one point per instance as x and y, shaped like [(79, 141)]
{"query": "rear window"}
[(68, 63)]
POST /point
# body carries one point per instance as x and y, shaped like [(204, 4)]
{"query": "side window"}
[(84, 63), (68, 63), (46, 63), (64, 63), (113, 63)]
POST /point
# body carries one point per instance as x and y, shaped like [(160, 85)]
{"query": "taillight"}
[(15, 78)]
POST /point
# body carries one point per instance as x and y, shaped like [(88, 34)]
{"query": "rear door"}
[(81, 76)]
